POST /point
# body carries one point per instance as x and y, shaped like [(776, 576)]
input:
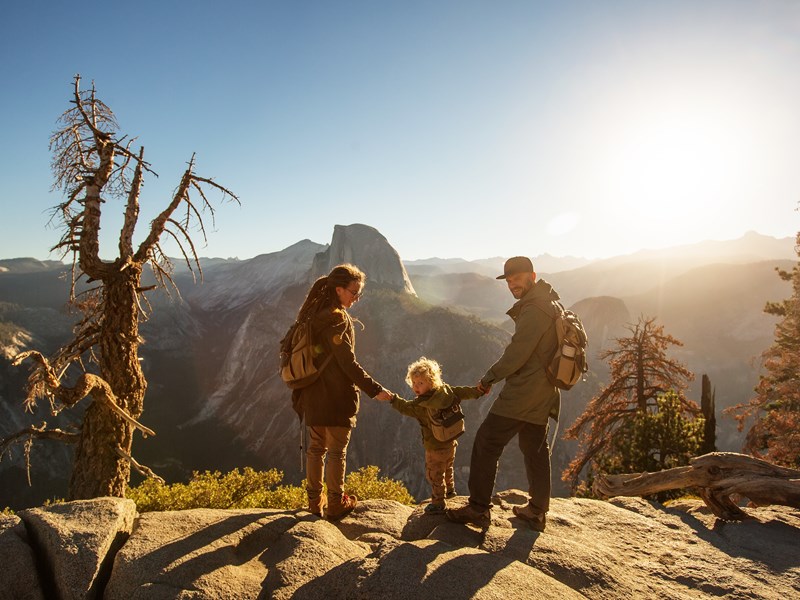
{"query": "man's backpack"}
[(568, 364), (297, 356), (447, 423)]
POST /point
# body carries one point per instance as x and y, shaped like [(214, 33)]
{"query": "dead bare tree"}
[(716, 477), (91, 165)]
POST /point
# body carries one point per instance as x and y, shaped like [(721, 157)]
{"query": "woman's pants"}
[(327, 452)]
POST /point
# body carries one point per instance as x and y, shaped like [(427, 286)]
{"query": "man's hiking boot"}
[(340, 506), (450, 494), (434, 508), (316, 506), (536, 520), (469, 514)]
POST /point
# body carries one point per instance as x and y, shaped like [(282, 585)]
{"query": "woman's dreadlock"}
[(323, 292)]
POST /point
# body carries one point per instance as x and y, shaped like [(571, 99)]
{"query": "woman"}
[(330, 404)]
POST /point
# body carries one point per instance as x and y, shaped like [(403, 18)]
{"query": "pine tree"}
[(654, 440), (615, 432), (775, 435)]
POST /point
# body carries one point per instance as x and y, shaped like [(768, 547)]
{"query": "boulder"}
[(19, 576), (209, 553), (376, 516), (77, 541)]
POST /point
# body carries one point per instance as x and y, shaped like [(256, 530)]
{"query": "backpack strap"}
[(554, 304), (325, 363)]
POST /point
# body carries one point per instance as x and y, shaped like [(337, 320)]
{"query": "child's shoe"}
[(435, 509), (450, 494)]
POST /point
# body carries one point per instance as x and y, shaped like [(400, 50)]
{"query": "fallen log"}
[(716, 476)]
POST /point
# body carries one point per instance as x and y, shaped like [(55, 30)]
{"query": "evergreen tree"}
[(775, 435), (654, 440), (616, 431)]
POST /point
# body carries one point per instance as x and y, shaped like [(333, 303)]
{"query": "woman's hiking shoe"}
[(469, 514), (536, 520), (435, 509), (450, 494), (316, 506), (339, 507)]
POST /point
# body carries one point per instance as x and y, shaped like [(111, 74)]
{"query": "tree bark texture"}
[(99, 469)]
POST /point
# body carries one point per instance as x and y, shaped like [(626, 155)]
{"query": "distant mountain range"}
[(752, 247), (210, 356)]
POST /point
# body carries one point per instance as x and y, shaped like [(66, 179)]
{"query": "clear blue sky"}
[(460, 128)]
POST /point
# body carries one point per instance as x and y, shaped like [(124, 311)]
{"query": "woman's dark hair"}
[(323, 292)]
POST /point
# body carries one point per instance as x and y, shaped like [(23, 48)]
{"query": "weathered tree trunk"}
[(92, 165), (708, 408), (101, 465), (716, 476)]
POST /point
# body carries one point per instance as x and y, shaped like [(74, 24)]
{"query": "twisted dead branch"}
[(716, 476)]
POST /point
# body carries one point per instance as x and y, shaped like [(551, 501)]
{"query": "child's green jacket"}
[(441, 397)]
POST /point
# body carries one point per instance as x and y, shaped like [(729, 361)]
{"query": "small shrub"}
[(7, 512), (254, 489), (212, 489), (366, 485)]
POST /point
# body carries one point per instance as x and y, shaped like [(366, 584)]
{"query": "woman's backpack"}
[(447, 423), (297, 356)]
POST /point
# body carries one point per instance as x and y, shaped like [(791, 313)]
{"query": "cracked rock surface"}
[(626, 548)]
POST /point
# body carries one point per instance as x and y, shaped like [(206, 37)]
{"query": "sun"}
[(672, 163)]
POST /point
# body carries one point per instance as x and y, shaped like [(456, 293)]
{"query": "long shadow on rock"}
[(261, 533), (408, 570)]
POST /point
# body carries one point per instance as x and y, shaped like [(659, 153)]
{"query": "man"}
[(524, 405)]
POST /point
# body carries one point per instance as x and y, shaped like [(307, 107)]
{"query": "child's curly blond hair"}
[(428, 368)]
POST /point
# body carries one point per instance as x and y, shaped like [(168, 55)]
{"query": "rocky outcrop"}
[(629, 548), (367, 248), (20, 579), (77, 542)]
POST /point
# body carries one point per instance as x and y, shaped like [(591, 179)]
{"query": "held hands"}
[(384, 395), (483, 389)]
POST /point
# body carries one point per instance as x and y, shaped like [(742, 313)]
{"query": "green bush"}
[(367, 485), (253, 489), (7, 512), (237, 489)]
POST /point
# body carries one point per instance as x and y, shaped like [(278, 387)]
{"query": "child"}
[(425, 378)]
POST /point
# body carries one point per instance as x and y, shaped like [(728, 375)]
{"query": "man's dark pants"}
[(492, 437)]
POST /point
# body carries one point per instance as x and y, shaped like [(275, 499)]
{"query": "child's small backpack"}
[(568, 364), (447, 423), (297, 356)]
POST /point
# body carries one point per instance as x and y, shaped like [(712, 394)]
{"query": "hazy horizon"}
[(458, 258)]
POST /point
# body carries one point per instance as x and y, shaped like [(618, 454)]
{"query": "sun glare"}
[(674, 159), (563, 223), (676, 166)]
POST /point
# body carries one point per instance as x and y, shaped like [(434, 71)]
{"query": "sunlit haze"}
[(457, 129)]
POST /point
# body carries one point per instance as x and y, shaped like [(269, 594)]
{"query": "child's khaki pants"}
[(439, 472)]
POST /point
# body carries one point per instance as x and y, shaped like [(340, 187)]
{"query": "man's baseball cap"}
[(516, 264)]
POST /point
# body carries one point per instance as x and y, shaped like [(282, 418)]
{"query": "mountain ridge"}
[(210, 355)]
